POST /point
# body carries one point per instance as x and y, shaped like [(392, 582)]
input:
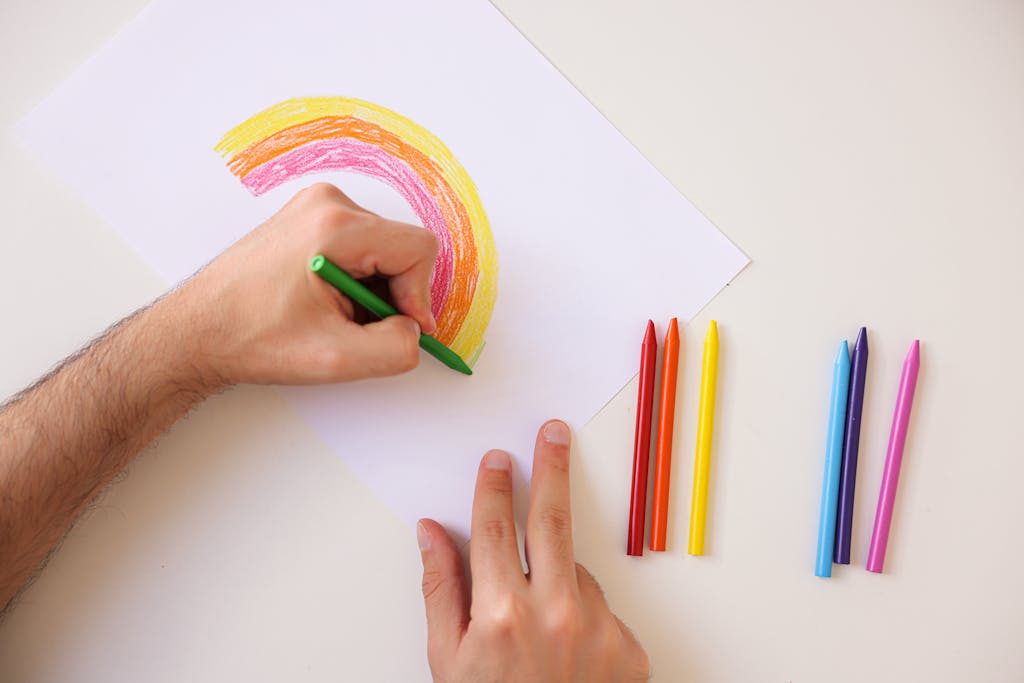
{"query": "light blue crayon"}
[(833, 461)]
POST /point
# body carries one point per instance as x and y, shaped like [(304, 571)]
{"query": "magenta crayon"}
[(893, 459)]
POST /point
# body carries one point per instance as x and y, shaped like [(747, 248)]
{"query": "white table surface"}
[(870, 159)]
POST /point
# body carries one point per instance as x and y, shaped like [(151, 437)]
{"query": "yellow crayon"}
[(705, 422)]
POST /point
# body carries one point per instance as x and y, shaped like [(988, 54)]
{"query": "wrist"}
[(180, 341)]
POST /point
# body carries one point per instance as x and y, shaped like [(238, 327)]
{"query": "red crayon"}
[(642, 443)]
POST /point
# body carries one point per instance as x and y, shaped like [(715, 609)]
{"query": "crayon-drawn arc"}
[(302, 136)]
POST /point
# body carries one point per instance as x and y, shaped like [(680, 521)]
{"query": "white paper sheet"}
[(591, 240)]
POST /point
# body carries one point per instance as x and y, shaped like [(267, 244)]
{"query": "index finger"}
[(549, 524), (493, 548)]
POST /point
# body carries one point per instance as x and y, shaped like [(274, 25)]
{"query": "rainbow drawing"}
[(307, 135)]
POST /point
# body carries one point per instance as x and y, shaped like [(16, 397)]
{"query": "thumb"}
[(445, 594), (378, 349)]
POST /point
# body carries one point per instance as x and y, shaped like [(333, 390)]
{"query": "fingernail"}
[(497, 460), (422, 537), (556, 432)]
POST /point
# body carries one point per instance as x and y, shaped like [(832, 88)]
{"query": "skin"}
[(252, 316), (551, 625)]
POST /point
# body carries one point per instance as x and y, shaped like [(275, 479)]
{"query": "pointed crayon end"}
[(455, 362), (462, 366), (711, 338), (844, 350), (649, 334), (914, 355), (672, 336), (862, 339)]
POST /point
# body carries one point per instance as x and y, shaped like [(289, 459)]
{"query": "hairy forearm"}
[(255, 314), (62, 440)]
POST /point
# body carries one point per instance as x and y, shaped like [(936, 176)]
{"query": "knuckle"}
[(555, 520), (321, 191), (334, 361), (433, 580), (370, 262), (505, 616), (562, 619), (498, 530), (326, 220)]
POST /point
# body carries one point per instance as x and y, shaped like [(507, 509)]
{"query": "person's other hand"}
[(263, 317), (550, 625)]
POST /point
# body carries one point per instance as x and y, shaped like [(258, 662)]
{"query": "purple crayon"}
[(851, 445)]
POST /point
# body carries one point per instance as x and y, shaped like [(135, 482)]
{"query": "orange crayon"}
[(666, 420)]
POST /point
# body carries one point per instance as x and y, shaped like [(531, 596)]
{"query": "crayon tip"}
[(914, 355), (862, 340), (672, 333), (649, 334), (711, 338), (844, 352), (448, 357)]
